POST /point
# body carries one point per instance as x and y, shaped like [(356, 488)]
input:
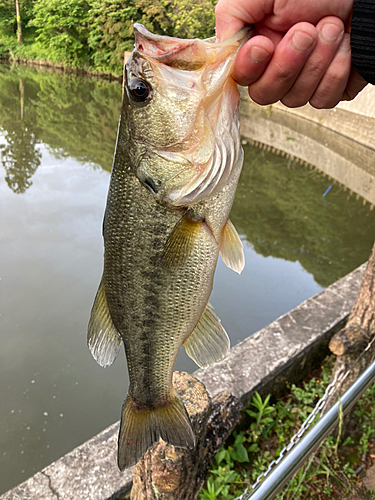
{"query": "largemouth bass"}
[(175, 171)]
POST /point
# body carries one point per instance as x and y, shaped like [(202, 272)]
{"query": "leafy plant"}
[(262, 417), (62, 29), (328, 474), (192, 19)]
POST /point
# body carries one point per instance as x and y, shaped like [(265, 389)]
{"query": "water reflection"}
[(57, 136), (280, 208), (73, 116), (20, 157)]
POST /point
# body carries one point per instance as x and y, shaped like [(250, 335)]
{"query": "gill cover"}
[(205, 155)]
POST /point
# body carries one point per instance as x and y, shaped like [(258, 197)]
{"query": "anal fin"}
[(209, 342), (181, 241), (103, 338), (231, 248)]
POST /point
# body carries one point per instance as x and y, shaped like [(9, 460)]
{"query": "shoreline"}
[(61, 68)]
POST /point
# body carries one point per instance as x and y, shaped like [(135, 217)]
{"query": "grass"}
[(335, 471)]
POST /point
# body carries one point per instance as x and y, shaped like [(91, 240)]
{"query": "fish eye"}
[(139, 90)]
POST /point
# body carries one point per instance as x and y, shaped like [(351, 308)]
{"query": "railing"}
[(293, 461)]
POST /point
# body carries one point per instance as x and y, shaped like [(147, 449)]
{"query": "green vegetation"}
[(93, 34), (331, 473)]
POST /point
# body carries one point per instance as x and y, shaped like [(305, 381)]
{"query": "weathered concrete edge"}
[(287, 348), (342, 120), (284, 350)]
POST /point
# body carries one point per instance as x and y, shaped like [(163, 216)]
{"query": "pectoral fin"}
[(103, 338), (209, 342), (181, 241), (231, 248)]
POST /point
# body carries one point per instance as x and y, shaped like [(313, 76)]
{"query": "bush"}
[(63, 29), (192, 19), (112, 30)]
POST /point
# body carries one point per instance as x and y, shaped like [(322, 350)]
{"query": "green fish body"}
[(175, 172)]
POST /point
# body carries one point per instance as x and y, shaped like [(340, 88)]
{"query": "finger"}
[(288, 60), (330, 33), (332, 86), (354, 86), (232, 16), (252, 60)]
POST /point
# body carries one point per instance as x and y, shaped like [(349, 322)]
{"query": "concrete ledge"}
[(88, 472), (330, 140), (353, 119), (286, 349)]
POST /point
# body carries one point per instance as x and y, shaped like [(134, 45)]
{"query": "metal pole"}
[(277, 479)]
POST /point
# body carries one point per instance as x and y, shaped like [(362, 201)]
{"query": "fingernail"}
[(301, 41), (259, 55), (331, 32)]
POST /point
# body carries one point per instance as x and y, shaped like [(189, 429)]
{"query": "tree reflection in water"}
[(20, 157), (72, 116)]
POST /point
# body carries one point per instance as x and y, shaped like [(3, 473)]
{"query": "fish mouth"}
[(187, 54)]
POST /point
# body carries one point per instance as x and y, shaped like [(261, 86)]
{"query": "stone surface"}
[(363, 104), (284, 350), (88, 472), (287, 348)]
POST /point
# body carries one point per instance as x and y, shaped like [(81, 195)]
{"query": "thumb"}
[(231, 16)]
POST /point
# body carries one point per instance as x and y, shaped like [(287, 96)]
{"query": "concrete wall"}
[(340, 142)]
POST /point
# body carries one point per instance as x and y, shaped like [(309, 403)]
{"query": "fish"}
[(175, 171)]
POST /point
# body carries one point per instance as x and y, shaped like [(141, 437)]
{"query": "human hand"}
[(300, 51)]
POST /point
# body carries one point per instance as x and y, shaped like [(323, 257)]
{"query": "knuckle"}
[(282, 73), (319, 103), (314, 69), (324, 97), (331, 88), (261, 97)]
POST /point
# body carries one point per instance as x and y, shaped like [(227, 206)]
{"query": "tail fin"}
[(140, 429)]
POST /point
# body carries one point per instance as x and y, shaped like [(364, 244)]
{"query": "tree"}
[(19, 27), (20, 158), (112, 30), (63, 29), (11, 20), (192, 19), (7, 15), (353, 344)]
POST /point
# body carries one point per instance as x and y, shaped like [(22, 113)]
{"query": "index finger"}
[(233, 16)]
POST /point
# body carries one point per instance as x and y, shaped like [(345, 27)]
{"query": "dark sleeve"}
[(362, 39)]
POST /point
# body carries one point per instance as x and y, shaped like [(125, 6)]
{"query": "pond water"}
[(57, 136)]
